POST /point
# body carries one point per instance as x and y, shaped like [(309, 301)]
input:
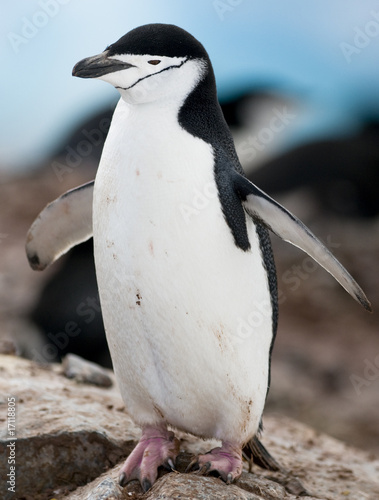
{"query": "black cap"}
[(161, 40)]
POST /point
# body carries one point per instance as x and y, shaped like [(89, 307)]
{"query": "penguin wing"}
[(62, 224), (280, 221)]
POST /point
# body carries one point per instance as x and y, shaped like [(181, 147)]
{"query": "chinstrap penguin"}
[(179, 283)]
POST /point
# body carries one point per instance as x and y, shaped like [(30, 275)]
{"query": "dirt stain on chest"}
[(151, 248)]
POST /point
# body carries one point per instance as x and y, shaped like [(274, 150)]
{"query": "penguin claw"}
[(146, 485), (203, 471), (171, 464), (194, 463), (122, 479)]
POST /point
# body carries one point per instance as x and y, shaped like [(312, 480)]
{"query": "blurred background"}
[(298, 82)]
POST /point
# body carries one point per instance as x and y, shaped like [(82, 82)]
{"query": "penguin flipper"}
[(62, 224), (280, 221)]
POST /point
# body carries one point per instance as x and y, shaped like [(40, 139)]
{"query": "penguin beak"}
[(96, 66)]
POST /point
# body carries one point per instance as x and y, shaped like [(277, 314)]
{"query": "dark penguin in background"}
[(341, 174), (183, 258)]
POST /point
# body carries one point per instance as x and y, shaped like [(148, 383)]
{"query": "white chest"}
[(174, 288)]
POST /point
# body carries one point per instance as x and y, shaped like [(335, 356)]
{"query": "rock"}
[(108, 489), (261, 486), (85, 372), (7, 346), (201, 488), (67, 434), (71, 440)]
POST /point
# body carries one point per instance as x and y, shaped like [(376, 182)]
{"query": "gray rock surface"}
[(85, 372), (67, 433), (71, 440)]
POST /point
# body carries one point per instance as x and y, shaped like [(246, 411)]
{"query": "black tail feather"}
[(255, 452)]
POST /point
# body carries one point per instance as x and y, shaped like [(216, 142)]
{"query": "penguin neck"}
[(201, 113), (201, 116), (192, 102), (150, 137)]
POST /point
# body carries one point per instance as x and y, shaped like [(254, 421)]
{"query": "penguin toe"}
[(226, 461), (157, 447)]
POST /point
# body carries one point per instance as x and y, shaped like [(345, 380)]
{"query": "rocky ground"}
[(71, 437), (325, 370)]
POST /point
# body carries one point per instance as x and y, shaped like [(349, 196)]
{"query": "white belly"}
[(187, 313)]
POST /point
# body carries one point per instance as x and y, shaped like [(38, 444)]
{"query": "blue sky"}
[(294, 46)]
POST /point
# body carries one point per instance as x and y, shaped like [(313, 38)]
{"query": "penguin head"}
[(154, 62)]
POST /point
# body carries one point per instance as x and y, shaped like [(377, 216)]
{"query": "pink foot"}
[(157, 447), (225, 460)]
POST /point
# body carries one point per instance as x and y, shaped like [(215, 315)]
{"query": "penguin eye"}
[(154, 61)]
